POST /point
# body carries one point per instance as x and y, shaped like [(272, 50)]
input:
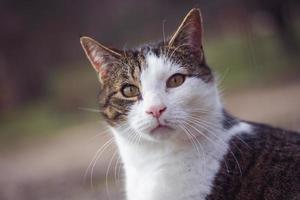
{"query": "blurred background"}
[(49, 126)]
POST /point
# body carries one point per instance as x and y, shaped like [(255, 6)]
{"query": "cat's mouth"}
[(161, 128)]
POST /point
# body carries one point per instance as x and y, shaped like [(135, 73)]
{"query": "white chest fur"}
[(178, 172)]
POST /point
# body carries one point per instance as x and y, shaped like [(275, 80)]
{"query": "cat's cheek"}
[(134, 116), (187, 94), (199, 94), (137, 119)]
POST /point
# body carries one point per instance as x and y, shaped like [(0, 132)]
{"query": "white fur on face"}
[(194, 98)]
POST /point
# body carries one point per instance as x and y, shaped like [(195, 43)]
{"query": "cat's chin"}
[(160, 128), (160, 132)]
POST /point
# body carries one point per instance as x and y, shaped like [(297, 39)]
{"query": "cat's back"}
[(263, 164)]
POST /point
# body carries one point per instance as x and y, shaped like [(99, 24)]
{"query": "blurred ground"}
[(53, 169)]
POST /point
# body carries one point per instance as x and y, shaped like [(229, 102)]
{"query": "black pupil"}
[(130, 91), (177, 79)]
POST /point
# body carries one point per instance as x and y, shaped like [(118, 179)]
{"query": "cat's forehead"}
[(152, 60), (156, 69), (155, 62), (159, 64), (136, 61)]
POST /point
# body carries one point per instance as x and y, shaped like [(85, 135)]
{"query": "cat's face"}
[(155, 92)]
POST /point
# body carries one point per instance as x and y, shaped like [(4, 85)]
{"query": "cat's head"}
[(157, 91)]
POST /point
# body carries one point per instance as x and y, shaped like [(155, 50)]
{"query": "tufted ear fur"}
[(189, 32), (101, 57)]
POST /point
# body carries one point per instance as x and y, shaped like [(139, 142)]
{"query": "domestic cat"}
[(176, 140)]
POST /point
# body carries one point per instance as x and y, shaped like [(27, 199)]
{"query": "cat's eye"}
[(130, 91), (175, 80)]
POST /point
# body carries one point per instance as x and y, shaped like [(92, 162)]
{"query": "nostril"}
[(163, 109), (149, 112)]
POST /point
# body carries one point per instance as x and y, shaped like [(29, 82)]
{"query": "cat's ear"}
[(100, 57), (189, 32)]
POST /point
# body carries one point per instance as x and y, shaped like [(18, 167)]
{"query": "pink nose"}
[(156, 111)]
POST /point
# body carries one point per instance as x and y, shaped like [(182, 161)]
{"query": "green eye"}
[(175, 80), (130, 91)]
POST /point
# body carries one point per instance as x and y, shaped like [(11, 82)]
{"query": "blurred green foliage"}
[(244, 62), (70, 91)]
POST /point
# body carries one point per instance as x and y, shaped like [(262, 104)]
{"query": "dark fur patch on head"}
[(193, 60), (126, 71)]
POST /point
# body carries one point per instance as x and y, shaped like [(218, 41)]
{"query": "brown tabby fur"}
[(265, 166)]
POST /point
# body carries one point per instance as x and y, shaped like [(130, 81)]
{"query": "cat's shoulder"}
[(262, 163), (267, 143), (270, 135)]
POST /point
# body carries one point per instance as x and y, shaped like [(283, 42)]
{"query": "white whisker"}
[(203, 126), (95, 159), (107, 173), (90, 109)]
